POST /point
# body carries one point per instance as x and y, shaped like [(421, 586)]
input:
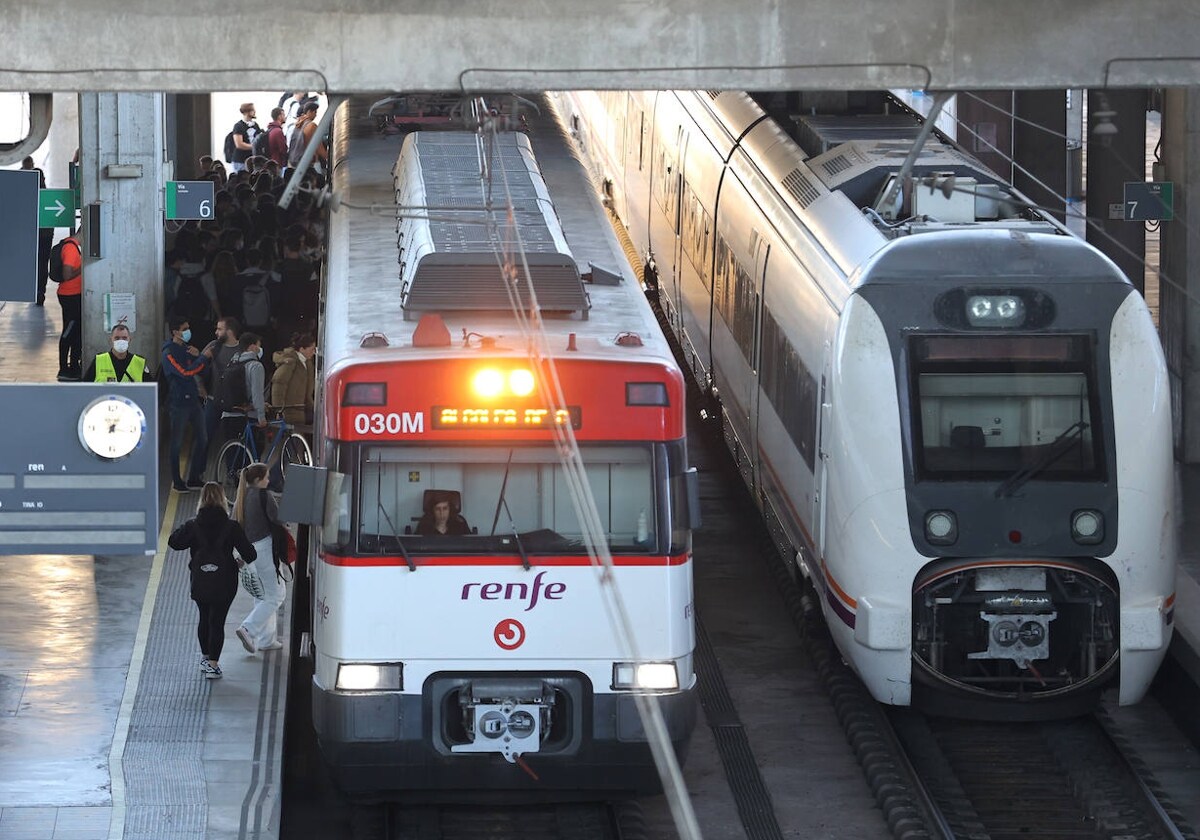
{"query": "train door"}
[(762, 251), (820, 500)]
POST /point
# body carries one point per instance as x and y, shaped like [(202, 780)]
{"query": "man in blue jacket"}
[(182, 365)]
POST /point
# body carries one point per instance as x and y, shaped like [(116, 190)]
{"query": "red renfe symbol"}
[(509, 634)]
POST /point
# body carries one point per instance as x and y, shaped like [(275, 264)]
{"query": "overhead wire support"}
[(939, 100)]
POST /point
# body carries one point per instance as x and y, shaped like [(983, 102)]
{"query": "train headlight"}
[(941, 527), (488, 382), (653, 676), (520, 382), (995, 310), (1087, 527), (388, 676)]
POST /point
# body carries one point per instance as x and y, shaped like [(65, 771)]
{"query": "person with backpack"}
[(255, 294), (211, 538), (272, 144), (244, 132), (258, 513), (302, 135), (220, 352), (66, 269), (240, 395)]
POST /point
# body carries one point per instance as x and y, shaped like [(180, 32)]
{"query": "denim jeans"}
[(181, 417)]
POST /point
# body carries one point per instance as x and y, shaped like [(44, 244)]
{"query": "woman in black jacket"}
[(212, 537)]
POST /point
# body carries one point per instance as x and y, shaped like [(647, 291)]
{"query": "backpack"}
[(231, 390), (230, 147), (260, 146), (56, 258), (190, 300), (296, 146), (256, 303)]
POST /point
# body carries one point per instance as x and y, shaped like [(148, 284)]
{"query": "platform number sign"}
[(1147, 201), (190, 200)]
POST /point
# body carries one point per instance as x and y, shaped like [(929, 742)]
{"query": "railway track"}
[(1064, 779), (574, 821)]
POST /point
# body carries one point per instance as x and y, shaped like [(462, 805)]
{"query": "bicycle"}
[(286, 447)]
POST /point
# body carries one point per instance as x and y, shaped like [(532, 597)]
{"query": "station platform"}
[(108, 729)]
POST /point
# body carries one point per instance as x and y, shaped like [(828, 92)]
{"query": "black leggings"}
[(211, 629), (70, 342)]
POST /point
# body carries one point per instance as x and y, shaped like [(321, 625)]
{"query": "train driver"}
[(439, 520)]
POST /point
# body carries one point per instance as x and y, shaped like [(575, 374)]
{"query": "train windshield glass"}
[(469, 499), (1019, 407)]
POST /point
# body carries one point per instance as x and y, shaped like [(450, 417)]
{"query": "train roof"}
[(364, 290)]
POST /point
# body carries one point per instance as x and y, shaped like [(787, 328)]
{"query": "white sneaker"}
[(244, 637), (275, 645)]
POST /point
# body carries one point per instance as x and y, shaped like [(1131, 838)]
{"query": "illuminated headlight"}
[(941, 527), (645, 675), (382, 677), (995, 310), (1087, 527), (521, 382), (488, 382)]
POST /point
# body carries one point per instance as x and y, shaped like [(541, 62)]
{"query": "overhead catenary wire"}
[(510, 250)]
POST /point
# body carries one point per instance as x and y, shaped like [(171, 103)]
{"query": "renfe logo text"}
[(516, 591)]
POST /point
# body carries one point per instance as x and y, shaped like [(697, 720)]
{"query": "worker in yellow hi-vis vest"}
[(118, 364)]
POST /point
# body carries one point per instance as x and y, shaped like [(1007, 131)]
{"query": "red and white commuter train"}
[(954, 416), (461, 636)]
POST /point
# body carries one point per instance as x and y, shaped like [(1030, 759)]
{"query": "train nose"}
[(1016, 629)]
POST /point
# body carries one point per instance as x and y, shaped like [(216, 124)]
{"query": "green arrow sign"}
[(56, 208)]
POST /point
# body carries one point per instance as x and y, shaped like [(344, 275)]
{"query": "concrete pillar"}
[(188, 132), (985, 117), (1040, 148), (1116, 154), (123, 130), (1179, 315)]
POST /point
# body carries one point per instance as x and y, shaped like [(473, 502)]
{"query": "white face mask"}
[(260, 352), (121, 345)]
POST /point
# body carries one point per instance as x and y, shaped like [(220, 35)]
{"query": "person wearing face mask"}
[(182, 365), (118, 364)]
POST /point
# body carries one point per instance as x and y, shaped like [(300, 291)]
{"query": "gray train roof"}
[(362, 243), (859, 168)]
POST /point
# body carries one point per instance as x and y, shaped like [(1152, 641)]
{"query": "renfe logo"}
[(509, 634), (517, 591)]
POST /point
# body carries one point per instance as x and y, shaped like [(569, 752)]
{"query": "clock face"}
[(111, 427)]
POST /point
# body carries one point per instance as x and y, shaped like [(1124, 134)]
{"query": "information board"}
[(56, 208), (18, 234), (1147, 201), (190, 199), (83, 479)]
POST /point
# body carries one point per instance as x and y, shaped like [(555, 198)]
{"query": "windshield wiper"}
[(412, 567), (1058, 447), (502, 503)]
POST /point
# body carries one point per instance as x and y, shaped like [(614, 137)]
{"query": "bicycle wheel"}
[(295, 451), (231, 460)]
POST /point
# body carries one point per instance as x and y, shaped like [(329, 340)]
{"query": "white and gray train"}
[(954, 415)]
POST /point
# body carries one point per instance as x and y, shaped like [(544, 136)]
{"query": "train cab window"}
[(988, 406), (518, 500)]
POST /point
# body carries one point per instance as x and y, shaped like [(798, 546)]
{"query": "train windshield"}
[(1008, 407), (515, 500)]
